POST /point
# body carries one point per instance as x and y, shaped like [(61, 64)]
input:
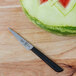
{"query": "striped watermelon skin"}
[(59, 29)]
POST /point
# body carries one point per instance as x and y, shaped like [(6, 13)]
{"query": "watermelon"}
[(56, 16)]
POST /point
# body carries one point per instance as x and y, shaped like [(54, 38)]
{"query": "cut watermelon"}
[(57, 16)]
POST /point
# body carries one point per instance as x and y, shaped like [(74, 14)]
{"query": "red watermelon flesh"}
[(43, 1), (64, 2)]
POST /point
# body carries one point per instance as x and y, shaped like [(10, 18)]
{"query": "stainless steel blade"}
[(25, 43)]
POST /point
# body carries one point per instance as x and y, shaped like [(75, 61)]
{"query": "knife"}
[(29, 46)]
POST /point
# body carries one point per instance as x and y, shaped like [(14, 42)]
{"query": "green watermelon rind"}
[(60, 30)]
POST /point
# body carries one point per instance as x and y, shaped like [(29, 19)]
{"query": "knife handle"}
[(48, 61)]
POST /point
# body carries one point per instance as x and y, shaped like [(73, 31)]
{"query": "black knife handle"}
[(48, 61)]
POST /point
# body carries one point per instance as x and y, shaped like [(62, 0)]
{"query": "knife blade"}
[(29, 46)]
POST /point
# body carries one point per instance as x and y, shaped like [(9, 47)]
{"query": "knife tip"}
[(9, 29)]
